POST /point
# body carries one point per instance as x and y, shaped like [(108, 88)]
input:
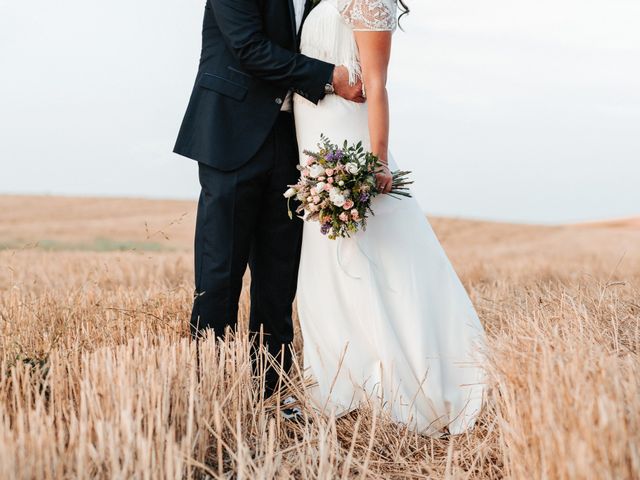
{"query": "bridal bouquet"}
[(337, 185)]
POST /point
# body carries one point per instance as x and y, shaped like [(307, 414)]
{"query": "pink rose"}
[(355, 214), (327, 187), (348, 205), (310, 161), (316, 199), (305, 173), (343, 216), (329, 172), (330, 180)]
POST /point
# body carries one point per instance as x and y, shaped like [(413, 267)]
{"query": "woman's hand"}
[(384, 179)]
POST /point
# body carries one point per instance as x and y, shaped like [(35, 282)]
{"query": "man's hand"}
[(342, 87)]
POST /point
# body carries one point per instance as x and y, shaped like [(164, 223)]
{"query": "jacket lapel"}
[(292, 18), (308, 6)]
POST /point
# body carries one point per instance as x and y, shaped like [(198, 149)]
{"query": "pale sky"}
[(509, 110)]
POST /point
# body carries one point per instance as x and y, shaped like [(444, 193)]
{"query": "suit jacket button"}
[(279, 101)]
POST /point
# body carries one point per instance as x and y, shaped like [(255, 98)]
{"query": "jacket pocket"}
[(224, 86)]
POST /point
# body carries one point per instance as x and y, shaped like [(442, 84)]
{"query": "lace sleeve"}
[(369, 15)]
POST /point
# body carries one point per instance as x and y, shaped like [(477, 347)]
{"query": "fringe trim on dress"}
[(342, 49)]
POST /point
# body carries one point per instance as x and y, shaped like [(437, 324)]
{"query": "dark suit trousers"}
[(242, 220)]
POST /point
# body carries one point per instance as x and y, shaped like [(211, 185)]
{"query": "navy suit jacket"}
[(248, 63)]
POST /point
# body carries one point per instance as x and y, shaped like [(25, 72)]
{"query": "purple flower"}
[(334, 156), (324, 229), (364, 197)]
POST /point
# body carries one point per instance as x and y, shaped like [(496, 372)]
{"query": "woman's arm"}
[(375, 52)]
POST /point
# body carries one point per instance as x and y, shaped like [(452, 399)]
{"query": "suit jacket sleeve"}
[(240, 22)]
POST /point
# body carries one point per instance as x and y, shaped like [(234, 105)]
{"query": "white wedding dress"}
[(385, 319)]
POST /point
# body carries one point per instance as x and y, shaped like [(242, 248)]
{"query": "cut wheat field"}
[(98, 374)]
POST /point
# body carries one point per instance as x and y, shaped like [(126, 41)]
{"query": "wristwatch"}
[(328, 89)]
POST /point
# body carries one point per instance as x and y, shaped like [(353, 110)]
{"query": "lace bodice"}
[(328, 32), (369, 15)]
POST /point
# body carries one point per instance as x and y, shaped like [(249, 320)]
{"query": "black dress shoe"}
[(289, 410)]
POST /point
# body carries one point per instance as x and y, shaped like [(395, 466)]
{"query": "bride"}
[(384, 317)]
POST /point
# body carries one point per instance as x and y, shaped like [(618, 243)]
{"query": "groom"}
[(240, 129)]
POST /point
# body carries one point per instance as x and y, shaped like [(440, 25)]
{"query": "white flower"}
[(320, 186), (341, 183), (339, 200), (290, 193), (336, 197), (352, 167), (316, 170)]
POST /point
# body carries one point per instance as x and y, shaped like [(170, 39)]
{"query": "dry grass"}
[(98, 379)]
